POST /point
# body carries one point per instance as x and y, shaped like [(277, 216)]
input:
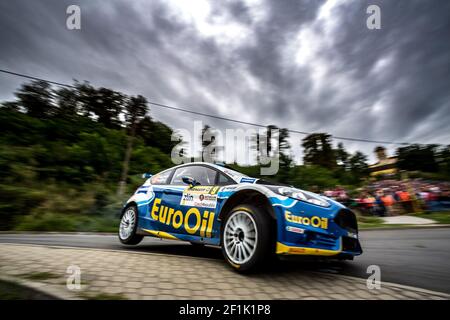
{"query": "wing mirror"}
[(190, 181), (146, 175)]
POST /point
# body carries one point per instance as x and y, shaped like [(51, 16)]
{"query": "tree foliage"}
[(418, 157), (72, 138), (318, 150)]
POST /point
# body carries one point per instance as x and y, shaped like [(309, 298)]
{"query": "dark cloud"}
[(306, 65)]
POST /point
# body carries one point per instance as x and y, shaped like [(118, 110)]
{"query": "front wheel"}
[(128, 227), (247, 240)]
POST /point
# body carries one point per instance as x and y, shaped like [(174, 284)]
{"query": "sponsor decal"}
[(313, 221), (200, 196), (200, 200), (228, 188), (193, 221), (203, 189), (142, 190), (247, 180), (295, 229), (232, 174)]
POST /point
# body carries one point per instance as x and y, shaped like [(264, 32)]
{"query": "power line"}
[(35, 78), (210, 115)]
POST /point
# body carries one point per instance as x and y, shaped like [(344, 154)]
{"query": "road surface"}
[(414, 257)]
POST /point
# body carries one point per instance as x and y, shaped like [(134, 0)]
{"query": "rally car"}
[(250, 219)]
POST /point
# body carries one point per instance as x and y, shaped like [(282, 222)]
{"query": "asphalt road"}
[(414, 257)]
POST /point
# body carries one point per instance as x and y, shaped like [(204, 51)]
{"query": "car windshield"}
[(203, 175)]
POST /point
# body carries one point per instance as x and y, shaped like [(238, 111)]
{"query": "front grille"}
[(346, 220), (323, 241)]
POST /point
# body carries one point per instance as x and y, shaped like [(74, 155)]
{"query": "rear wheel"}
[(128, 227), (247, 240)]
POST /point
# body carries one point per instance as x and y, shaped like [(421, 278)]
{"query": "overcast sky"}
[(305, 65)]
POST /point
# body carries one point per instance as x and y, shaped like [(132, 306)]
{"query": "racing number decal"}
[(214, 190)]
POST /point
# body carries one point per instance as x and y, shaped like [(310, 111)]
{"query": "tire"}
[(246, 238), (128, 226)]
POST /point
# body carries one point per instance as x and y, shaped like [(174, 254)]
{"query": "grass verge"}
[(14, 291), (39, 276), (102, 296), (370, 222), (441, 217), (67, 223)]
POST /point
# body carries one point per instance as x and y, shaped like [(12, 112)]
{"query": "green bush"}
[(66, 222)]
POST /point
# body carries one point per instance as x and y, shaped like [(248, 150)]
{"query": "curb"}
[(443, 295), (109, 250)]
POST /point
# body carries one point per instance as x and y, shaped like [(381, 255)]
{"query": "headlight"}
[(302, 196)]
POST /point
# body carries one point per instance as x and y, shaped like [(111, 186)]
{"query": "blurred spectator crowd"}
[(393, 197)]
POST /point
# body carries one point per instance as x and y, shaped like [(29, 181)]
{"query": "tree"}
[(104, 105), (313, 177), (136, 108), (284, 143), (263, 143), (319, 151), (156, 134), (36, 98), (67, 101), (418, 158), (358, 165), (209, 148), (10, 105), (444, 160), (343, 171), (285, 157), (54, 148), (86, 97), (342, 156), (264, 149), (108, 107), (270, 128)]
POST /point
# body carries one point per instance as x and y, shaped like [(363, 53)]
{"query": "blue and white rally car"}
[(249, 218)]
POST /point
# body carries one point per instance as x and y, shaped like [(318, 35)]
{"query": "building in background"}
[(385, 165)]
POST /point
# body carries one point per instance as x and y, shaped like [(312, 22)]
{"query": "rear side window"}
[(161, 178), (224, 180)]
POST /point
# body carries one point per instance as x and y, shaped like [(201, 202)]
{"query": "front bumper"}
[(307, 229)]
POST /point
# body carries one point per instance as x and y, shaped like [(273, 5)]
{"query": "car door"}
[(190, 210), (158, 183)]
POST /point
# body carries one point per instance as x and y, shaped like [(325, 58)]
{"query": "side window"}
[(204, 175), (161, 178), (224, 180)]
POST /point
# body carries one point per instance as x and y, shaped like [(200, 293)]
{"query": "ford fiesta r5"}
[(251, 220)]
